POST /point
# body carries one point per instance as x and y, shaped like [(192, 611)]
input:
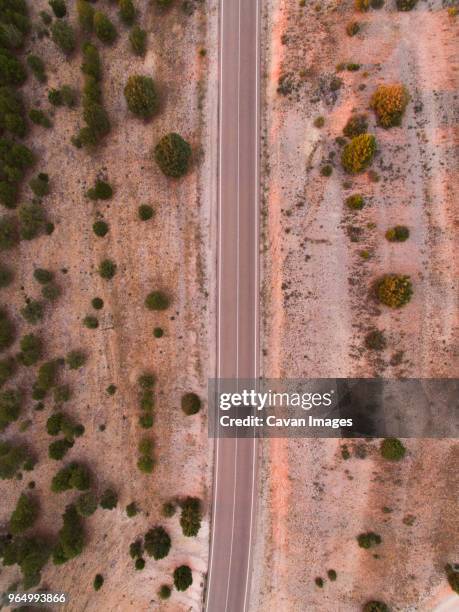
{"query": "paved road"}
[(234, 494)]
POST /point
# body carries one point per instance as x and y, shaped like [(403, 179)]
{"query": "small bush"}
[(190, 518), (369, 539), (375, 606), (7, 333), (7, 369), (51, 292), (37, 66), (107, 269), (6, 276), (63, 36), (62, 394), (31, 220), (101, 191), (98, 123), (191, 403), (127, 11), (86, 504), (355, 201), (358, 154), (157, 543), (65, 96), (157, 300), (43, 276), (58, 449), (59, 8), (91, 322), (389, 103), (172, 154), (452, 575), (356, 125), (12, 72), (33, 312), (135, 549), (375, 340), (362, 5), (394, 290), (109, 499), (98, 582), (75, 360), (319, 122), (406, 5), (100, 228), (10, 407), (31, 350), (145, 212), (399, 233), (146, 464), (111, 389), (182, 578), (104, 28), (158, 332), (40, 185), (71, 537), (47, 375), (24, 515), (392, 449), (85, 15), (72, 476), (326, 170), (91, 65), (352, 28), (168, 509), (141, 96), (13, 457), (332, 575), (40, 118), (138, 40), (164, 591), (9, 235), (131, 509), (139, 564), (97, 303)]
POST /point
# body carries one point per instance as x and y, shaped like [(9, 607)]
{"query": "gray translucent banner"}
[(334, 408)]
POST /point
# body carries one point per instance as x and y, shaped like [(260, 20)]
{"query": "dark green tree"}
[(182, 578), (173, 154), (141, 96), (157, 542), (24, 515)]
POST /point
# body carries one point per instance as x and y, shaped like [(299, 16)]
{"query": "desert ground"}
[(170, 252), (319, 262)]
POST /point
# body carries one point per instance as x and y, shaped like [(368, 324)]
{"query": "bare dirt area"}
[(321, 260), (170, 252)]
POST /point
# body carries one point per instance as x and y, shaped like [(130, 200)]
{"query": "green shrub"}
[(145, 212), (326, 170), (98, 123), (355, 201), (7, 369), (63, 36), (319, 582), (452, 575), (406, 5), (91, 322), (392, 449), (369, 539), (65, 96), (24, 515), (70, 538), (101, 191), (47, 374), (191, 403), (91, 65), (163, 3), (97, 303), (104, 28), (146, 380), (31, 554), (109, 499), (33, 311), (100, 228), (394, 290), (31, 350), (54, 423), (389, 103), (399, 233), (10, 36), (59, 8), (146, 421), (40, 118), (127, 11), (190, 518), (157, 542), (85, 15), (12, 112), (164, 591), (332, 575), (72, 476), (40, 185), (352, 28), (37, 66), (62, 394), (98, 582), (358, 154), (375, 340), (7, 332), (375, 606), (86, 504), (31, 220), (76, 359), (12, 72), (182, 578), (135, 549), (139, 564), (107, 269), (51, 292), (92, 92), (111, 389), (46, 17), (158, 332), (356, 125), (9, 236), (168, 509), (138, 40), (10, 407), (146, 464), (131, 509), (141, 96), (157, 300), (319, 122), (13, 457), (58, 449), (147, 400), (172, 154)]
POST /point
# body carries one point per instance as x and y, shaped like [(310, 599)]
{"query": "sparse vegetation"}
[(399, 233), (375, 340), (138, 40), (356, 125), (37, 66), (406, 5), (63, 36), (104, 28)]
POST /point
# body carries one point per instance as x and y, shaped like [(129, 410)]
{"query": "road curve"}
[(235, 460)]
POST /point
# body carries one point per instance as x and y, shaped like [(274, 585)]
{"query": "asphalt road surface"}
[(234, 486)]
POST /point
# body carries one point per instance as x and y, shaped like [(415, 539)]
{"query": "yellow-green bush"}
[(358, 154), (362, 5), (389, 103), (394, 290)]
